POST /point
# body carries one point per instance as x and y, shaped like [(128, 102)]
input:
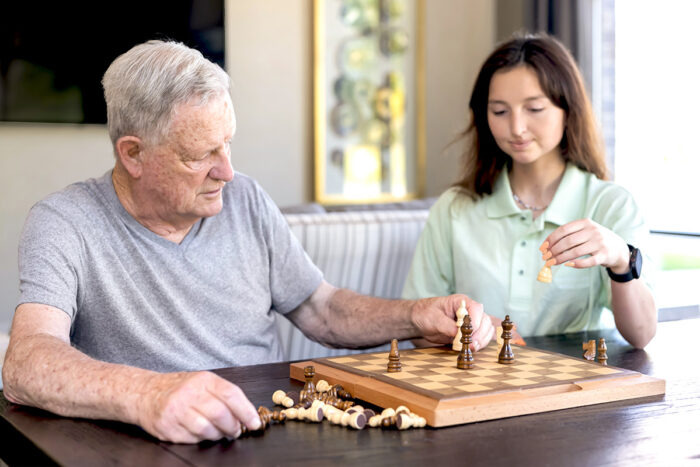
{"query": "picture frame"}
[(369, 110)]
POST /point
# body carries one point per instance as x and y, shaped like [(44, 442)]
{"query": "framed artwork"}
[(368, 100)]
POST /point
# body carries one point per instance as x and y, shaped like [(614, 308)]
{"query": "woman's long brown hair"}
[(561, 82)]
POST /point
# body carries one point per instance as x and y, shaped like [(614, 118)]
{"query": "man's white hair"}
[(145, 84)]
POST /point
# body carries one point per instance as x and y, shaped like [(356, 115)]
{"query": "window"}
[(656, 150)]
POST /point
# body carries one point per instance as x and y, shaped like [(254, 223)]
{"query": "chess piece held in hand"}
[(506, 355), (461, 313), (394, 364)]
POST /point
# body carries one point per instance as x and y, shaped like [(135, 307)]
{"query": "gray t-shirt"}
[(138, 299)]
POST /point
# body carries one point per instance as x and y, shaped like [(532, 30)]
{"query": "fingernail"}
[(547, 255), (544, 246), (253, 423), (550, 262), (569, 263)]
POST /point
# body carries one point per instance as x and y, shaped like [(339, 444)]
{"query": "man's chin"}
[(212, 209)]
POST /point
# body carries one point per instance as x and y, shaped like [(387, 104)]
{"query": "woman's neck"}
[(535, 184)]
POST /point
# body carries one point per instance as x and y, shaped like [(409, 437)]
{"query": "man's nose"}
[(223, 169)]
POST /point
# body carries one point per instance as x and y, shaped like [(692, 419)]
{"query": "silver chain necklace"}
[(527, 206)]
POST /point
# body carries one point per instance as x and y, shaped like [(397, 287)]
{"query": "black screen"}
[(53, 54)]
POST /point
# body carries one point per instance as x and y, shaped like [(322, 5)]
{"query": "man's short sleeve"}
[(49, 258), (293, 276)]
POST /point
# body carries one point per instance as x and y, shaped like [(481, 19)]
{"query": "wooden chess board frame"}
[(431, 385)]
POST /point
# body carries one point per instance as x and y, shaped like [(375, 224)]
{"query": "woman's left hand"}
[(569, 242)]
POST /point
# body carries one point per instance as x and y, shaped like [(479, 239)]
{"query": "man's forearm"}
[(46, 372), (353, 320)]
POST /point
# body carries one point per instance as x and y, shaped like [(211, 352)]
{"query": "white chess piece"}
[(461, 313)]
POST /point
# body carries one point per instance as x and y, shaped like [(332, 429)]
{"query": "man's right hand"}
[(192, 407)]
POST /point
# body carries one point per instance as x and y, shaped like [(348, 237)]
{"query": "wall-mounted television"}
[(53, 54)]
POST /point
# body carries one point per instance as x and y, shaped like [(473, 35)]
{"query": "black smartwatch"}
[(635, 267)]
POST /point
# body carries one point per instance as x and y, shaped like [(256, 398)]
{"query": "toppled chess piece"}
[(267, 416), (589, 350)]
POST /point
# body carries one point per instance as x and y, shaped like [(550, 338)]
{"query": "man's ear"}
[(130, 152)]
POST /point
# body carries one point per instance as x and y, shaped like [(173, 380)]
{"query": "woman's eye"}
[(538, 109), (498, 112)]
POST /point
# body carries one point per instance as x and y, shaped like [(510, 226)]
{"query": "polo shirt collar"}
[(500, 203), (566, 206)]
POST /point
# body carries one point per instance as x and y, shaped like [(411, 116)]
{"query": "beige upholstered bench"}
[(365, 251)]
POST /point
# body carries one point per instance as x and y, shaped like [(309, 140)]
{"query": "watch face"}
[(636, 263)]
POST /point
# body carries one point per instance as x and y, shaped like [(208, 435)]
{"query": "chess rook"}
[(506, 355), (309, 389)]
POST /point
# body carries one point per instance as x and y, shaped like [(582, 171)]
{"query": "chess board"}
[(431, 385)]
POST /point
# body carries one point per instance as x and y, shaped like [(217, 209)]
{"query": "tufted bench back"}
[(365, 251)]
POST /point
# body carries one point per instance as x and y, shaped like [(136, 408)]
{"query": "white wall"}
[(269, 56), (36, 160)]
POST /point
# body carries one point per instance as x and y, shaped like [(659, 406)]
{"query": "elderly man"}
[(134, 282)]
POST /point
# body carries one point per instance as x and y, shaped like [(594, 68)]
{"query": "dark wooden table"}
[(663, 430)]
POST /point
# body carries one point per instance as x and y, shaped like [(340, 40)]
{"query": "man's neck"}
[(129, 197)]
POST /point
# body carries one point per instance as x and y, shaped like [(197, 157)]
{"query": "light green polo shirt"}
[(488, 249)]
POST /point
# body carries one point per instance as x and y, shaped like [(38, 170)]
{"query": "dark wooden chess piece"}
[(465, 360), (309, 389), (602, 352), (506, 356), (394, 364)]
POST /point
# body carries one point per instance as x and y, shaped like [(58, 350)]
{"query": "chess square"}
[(519, 382), (484, 372), (371, 367), (447, 370), (348, 360), (563, 376), (441, 377), (523, 374), (401, 375), (479, 380)]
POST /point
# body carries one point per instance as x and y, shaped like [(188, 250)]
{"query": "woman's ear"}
[(130, 152)]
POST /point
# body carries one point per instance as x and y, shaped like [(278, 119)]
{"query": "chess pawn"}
[(465, 360), (602, 352), (461, 313), (506, 355), (309, 390), (394, 364), (545, 275)]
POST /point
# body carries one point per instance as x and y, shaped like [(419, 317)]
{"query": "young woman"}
[(534, 189)]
